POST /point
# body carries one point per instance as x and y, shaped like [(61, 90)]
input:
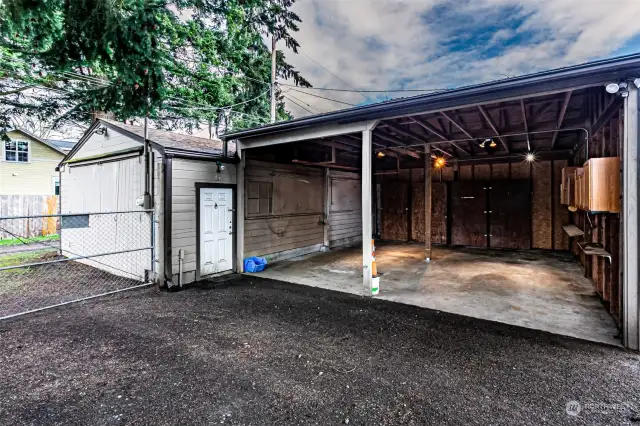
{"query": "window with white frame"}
[(16, 151)]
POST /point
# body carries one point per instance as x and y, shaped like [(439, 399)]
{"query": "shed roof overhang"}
[(545, 82)]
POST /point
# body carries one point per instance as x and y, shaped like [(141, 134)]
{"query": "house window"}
[(259, 198), (17, 151), (56, 185)]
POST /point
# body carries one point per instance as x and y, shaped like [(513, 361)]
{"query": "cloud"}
[(388, 44)]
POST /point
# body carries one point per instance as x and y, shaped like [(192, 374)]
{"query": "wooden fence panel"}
[(28, 205)]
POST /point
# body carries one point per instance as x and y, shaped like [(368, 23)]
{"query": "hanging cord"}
[(280, 232)]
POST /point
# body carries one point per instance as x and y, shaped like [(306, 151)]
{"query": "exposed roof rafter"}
[(491, 124), (563, 111), (524, 121)]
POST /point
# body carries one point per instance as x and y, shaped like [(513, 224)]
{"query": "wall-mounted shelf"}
[(594, 249), (573, 231)]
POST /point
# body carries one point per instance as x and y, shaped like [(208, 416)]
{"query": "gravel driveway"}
[(259, 352)]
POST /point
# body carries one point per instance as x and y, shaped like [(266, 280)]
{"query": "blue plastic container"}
[(255, 264)]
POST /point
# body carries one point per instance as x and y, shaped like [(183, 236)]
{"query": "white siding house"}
[(105, 172)]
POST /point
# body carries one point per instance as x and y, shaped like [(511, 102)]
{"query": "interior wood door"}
[(395, 210), (510, 214), (468, 217)]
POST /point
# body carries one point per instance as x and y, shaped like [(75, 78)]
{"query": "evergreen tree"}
[(63, 60)]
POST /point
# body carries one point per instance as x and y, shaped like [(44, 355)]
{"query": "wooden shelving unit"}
[(595, 187)]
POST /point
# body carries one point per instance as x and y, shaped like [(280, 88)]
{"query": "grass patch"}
[(21, 258), (20, 241), (13, 279)]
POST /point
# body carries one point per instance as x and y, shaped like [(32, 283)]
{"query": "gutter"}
[(577, 76)]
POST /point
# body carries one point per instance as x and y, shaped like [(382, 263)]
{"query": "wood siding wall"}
[(298, 209), (345, 208), (602, 228), (547, 216), (186, 173)]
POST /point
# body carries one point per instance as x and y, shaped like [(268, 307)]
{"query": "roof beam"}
[(429, 128), (388, 138), (563, 111), (405, 152), (336, 144), (524, 121), (489, 120), (607, 114), (452, 121), (407, 133), (442, 151)]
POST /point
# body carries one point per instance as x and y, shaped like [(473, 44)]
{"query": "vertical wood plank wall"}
[(602, 228), (547, 217)]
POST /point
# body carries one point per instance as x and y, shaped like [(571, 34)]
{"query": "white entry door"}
[(216, 227)]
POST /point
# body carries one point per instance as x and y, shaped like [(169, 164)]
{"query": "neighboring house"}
[(28, 165), (105, 172)]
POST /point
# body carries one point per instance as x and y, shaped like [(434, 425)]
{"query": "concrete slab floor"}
[(534, 289)]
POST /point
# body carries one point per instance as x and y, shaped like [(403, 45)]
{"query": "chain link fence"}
[(88, 255)]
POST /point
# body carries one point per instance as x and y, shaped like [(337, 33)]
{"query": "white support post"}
[(327, 207), (631, 286), (240, 209), (367, 229)]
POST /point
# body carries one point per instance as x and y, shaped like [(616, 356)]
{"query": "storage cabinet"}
[(568, 186), (594, 187)]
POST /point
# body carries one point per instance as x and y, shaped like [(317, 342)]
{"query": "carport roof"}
[(577, 76)]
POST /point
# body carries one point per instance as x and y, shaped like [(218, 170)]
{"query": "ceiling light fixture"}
[(482, 144), (530, 157), (493, 144), (380, 154), (440, 162)]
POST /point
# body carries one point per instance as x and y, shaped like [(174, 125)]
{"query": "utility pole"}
[(273, 79)]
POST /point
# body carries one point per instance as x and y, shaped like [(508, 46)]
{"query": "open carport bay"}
[(535, 289)]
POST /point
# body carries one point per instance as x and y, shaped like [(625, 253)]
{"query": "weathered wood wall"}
[(602, 228), (345, 208), (298, 209), (403, 193)]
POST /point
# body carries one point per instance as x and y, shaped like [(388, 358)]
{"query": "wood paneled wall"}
[(602, 228), (404, 192), (297, 219)]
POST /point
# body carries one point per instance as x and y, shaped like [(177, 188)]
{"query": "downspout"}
[(167, 225), (180, 260), (147, 159)]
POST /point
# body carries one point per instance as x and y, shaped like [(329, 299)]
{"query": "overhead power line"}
[(322, 97), (306, 109), (321, 66), (306, 103), (365, 91)]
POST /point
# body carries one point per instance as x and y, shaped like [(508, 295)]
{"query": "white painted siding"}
[(107, 187), (345, 208), (186, 173), (111, 141), (298, 204)]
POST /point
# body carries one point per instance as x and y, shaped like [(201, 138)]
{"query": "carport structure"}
[(481, 166)]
